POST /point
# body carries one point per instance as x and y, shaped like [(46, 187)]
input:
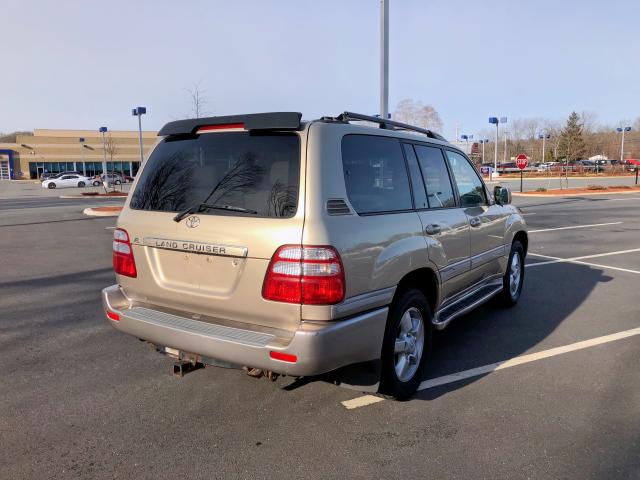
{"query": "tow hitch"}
[(182, 367)]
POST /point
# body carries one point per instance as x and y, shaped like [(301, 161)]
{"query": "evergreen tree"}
[(571, 146)]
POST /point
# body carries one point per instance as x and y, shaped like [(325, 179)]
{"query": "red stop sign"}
[(522, 161)]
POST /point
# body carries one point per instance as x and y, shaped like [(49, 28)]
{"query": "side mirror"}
[(502, 195)]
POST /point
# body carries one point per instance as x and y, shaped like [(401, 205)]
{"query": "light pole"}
[(138, 112), (103, 130), (466, 138), (543, 136), (495, 153), (483, 143), (622, 130), (384, 58), (84, 170)]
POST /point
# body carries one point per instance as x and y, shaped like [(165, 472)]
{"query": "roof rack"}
[(388, 124), (252, 121)]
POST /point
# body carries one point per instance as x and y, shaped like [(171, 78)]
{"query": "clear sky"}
[(83, 64)]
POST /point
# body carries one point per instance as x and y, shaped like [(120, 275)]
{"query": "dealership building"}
[(54, 151)]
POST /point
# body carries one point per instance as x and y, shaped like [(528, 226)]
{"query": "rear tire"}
[(51, 185), (513, 279), (406, 345)]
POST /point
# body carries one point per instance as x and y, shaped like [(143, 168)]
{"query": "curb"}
[(560, 194), (102, 211)]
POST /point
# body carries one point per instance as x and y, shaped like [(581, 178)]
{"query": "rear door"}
[(213, 262), (486, 219), (444, 223)]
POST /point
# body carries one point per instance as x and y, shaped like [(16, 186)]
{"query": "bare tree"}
[(198, 100), (415, 113), (110, 146)]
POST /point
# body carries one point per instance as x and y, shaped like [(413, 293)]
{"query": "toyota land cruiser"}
[(301, 247)]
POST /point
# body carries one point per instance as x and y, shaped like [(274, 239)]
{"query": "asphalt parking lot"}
[(81, 400)]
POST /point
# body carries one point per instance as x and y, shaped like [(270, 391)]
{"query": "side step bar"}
[(465, 304)]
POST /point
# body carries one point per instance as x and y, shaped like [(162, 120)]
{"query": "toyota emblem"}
[(193, 221)]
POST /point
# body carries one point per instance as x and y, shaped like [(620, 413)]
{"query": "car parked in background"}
[(112, 178), (50, 175), (67, 181)]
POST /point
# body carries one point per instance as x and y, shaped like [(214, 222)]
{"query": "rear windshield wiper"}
[(201, 207)]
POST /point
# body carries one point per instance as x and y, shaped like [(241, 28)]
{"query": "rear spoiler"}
[(251, 121)]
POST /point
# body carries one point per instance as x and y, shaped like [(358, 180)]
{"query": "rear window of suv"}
[(256, 172)]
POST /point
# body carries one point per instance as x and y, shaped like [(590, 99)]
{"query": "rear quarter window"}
[(375, 174), (259, 172)]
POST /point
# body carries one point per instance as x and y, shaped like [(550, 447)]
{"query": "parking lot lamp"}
[(84, 170), (543, 136), (384, 58), (622, 130), (483, 143), (138, 112), (495, 121), (103, 130)]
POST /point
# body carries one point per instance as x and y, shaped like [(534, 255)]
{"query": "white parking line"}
[(577, 262), (564, 260), (532, 357), (492, 367), (574, 226), (361, 401), (621, 199)]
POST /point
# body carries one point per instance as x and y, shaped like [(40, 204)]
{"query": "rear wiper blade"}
[(208, 206)]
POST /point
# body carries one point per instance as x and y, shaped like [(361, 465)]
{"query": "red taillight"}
[(225, 126), (305, 274), (113, 316), (123, 261), (284, 357)]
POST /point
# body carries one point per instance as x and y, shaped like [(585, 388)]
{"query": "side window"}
[(470, 187), (436, 177), (375, 174), (419, 193)]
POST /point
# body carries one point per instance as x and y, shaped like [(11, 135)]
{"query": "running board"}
[(465, 304)]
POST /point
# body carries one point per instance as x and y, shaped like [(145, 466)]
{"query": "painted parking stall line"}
[(584, 257), (366, 400), (532, 357), (573, 227), (577, 262)]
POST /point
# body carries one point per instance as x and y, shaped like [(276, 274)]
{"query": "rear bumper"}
[(318, 346)]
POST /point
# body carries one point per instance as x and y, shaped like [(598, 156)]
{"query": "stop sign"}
[(522, 161)]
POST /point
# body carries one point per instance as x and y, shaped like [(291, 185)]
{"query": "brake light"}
[(113, 316), (311, 275), (123, 261), (224, 126)]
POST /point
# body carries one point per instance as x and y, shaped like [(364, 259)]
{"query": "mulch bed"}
[(109, 194)]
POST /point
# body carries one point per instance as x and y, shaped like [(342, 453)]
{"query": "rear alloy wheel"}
[(117, 182), (514, 277), (51, 185), (406, 345), (80, 184)]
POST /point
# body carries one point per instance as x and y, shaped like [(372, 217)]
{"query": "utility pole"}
[(384, 58)]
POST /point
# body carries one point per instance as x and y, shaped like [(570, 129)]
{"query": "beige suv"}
[(301, 247)]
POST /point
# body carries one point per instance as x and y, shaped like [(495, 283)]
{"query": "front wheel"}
[(406, 345), (117, 182), (513, 280), (80, 184), (96, 183), (51, 185)]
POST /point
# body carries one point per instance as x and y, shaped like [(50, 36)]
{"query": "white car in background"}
[(66, 181)]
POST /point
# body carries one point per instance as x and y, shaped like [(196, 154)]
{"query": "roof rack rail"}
[(390, 124)]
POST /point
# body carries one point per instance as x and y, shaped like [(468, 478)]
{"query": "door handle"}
[(432, 229), (475, 221)]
